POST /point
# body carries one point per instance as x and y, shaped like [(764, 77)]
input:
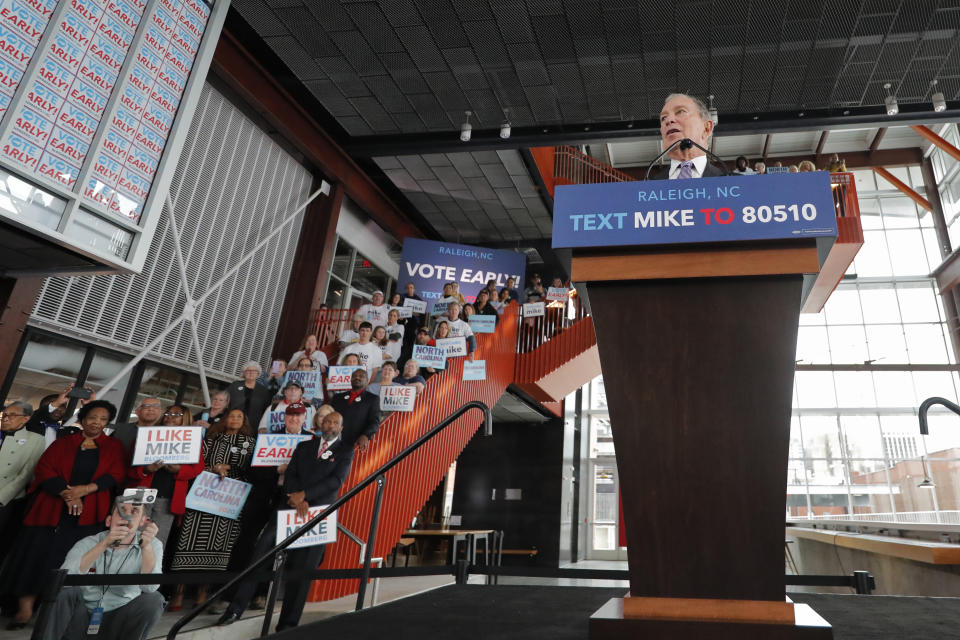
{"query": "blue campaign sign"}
[(430, 265), (474, 369), (728, 209), (483, 324), (312, 382), (220, 496), (430, 356)]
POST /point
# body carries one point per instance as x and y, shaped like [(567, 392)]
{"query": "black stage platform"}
[(507, 612)]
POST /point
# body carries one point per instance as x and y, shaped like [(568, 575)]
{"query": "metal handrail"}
[(377, 476), (925, 406)]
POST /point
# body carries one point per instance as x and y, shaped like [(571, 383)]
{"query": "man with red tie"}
[(686, 117), (360, 410)]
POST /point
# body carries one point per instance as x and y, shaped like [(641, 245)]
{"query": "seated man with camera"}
[(124, 612)]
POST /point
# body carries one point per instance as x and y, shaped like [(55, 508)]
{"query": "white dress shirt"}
[(699, 164)]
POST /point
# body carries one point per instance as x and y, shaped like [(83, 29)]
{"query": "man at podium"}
[(685, 125)]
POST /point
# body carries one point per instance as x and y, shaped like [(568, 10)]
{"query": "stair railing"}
[(378, 477)]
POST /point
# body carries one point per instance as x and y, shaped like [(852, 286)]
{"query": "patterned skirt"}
[(205, 542)]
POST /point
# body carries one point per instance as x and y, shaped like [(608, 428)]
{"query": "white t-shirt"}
[(371, 356), (375, 315), (459, 328), (395, 328), (319, 359), (393, 349)]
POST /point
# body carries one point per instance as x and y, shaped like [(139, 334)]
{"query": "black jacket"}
[(709, 171), (362, 418), (261, 399), (319, 478)]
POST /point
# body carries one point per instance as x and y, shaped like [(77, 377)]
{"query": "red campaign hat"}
[(296, 409)]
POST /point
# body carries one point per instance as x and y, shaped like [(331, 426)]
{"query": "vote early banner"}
[(312, 382), (173, 445), (324, 533), (222, 497), (474, 369), (397, 397), (454, 347), (338, 377), (483, 323), (430, 264), (428, 356), (727, 209), (275, 449), (534, 309)]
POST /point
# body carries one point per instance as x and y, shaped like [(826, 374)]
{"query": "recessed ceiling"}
[(413, 66)]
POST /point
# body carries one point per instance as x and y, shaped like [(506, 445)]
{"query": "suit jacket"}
[(362, 418), (709, 171), (320, 478), (19, 453)]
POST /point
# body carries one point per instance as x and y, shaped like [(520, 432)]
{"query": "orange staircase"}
[(519, 352)]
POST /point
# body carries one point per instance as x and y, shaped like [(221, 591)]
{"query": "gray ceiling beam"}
[(730, 125)]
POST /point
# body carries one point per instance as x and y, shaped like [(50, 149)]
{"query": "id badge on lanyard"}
[(96, 618)]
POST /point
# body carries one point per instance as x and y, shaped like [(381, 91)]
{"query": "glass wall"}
[(48, 363), (865, 363), (354, 278)]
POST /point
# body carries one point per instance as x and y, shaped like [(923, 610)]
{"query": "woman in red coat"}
[(71, 496)]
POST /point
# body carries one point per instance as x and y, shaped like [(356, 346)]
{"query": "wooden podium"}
[(697, 344)]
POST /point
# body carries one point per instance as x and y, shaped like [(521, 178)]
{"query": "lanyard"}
[(106, 571)]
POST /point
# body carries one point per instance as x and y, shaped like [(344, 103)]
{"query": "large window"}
[(354, 278), (48, 363)]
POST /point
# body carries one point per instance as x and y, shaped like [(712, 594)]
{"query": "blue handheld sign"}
[(728, 209)]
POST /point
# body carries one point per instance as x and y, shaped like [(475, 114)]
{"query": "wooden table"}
[(467, 536)]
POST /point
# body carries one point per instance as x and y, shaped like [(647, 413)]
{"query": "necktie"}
[(686, 170), (323, 447)]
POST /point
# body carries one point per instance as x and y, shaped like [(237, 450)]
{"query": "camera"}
[(138, 495)]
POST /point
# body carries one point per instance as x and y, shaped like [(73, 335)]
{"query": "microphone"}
[(684, 144), (670, 148)]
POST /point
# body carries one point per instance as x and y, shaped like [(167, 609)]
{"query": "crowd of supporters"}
[(60, 475)]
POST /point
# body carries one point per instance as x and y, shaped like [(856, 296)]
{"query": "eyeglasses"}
[(173, 415), (150, 406), (4, 414)]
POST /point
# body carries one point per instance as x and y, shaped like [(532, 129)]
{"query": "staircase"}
[(519, 352)]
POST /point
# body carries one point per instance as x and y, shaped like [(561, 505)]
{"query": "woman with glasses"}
[(206, 540), (71, 496)]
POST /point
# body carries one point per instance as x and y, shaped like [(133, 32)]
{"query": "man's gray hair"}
[(26, 407), (223, 392), (701, 107)]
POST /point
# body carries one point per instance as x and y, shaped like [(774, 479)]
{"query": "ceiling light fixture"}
[(466, 129), (890, 102), (939, 101), (505, 127)]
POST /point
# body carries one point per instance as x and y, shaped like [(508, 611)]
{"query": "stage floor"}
[(515, 612)]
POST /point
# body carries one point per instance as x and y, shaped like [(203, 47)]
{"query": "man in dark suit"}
[(312, 478), (360, 410), (682, 117)]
